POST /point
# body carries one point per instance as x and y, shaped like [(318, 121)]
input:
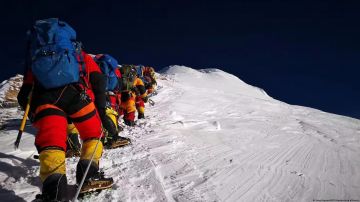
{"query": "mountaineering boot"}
[(112, 139), (53, 175), (141, 116), (54, 188), (129, 118), (117, 141), (94, 179), (96, 183), (129, 123)]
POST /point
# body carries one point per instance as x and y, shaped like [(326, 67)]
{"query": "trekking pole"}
[(88, 167), (23, 122)]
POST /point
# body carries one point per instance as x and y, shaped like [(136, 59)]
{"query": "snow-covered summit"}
[(211, 137), (213, 80)]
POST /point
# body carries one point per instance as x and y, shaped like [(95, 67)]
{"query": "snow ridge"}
[(212, 137)]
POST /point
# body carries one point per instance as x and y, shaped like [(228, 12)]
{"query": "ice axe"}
[(23, 121)]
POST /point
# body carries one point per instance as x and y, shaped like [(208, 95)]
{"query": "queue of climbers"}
[(73, 95)]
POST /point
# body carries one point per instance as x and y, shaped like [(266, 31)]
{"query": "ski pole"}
[(87, 168), (23, 121)]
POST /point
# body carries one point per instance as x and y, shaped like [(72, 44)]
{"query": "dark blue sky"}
[(301, 52)]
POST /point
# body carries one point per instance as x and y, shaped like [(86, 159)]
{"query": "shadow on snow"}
[(18, 170)]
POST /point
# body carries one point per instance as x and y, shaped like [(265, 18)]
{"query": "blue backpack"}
[(139, 70), (54, 53), (140, 73), (108, 65)]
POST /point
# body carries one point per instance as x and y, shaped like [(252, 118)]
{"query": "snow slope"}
[(211, 137)]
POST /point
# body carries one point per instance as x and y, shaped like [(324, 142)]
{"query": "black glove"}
[(102, 113), (141, 89), (23, 95), (98, 83), (145, 99), (107, 123), (135, 90), (148, 85)]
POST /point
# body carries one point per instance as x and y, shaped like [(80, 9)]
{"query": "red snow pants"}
[(54, 107)]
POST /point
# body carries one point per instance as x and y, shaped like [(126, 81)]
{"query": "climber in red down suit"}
[(83, 103)]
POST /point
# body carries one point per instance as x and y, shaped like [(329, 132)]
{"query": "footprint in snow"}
[(297, 173), (217, 125)]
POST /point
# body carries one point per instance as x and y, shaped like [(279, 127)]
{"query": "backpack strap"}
[(82, 69), (82, 66)]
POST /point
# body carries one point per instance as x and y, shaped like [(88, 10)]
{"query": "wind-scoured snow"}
[(210, 137)]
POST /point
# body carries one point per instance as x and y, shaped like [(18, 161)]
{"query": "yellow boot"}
[(53, 175), (88, 149), (94, 180)]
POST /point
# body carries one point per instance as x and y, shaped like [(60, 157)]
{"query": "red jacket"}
[(118, 73), (90, 67)]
